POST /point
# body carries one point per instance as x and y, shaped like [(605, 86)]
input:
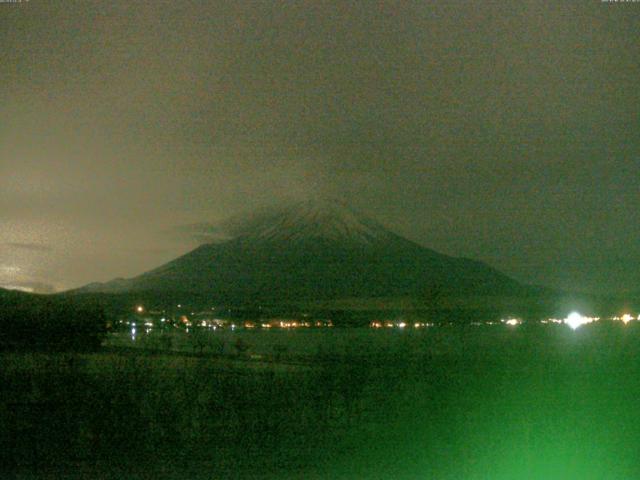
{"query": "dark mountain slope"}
[(312, 251)]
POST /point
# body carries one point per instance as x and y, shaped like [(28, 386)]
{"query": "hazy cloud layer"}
[(199, 233), (33, 247)]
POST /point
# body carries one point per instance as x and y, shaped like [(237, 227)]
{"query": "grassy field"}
[(449, 403)]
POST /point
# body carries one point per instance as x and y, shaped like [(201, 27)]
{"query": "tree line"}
[(34, 322)]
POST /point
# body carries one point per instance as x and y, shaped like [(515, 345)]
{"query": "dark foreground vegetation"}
[(47, 323), (529, 402)]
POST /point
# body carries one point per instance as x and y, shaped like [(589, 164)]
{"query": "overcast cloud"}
[(503, 131)]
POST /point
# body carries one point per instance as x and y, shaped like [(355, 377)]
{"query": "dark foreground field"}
[(471, 403)]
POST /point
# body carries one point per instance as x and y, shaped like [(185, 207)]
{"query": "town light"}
[(512, 322), (574, 320), (626, 318)]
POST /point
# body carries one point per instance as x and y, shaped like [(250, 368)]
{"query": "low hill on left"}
[(45, 322)]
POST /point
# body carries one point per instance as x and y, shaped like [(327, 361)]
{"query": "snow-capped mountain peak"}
[(329, 220)]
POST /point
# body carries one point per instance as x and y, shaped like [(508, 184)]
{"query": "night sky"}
[(502, 131)]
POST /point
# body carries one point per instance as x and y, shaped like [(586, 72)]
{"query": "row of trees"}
[(30, 322)]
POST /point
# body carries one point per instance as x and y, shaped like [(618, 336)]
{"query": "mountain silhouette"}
[(311, 250)]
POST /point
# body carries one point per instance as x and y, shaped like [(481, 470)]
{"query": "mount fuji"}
[(311, 250)]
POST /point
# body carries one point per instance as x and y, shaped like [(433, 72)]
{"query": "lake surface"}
[(364, 342)]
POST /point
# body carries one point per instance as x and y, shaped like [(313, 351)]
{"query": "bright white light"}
[(626, 318), (139, 309), (402, 324), (574, 320), (512, 322)]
